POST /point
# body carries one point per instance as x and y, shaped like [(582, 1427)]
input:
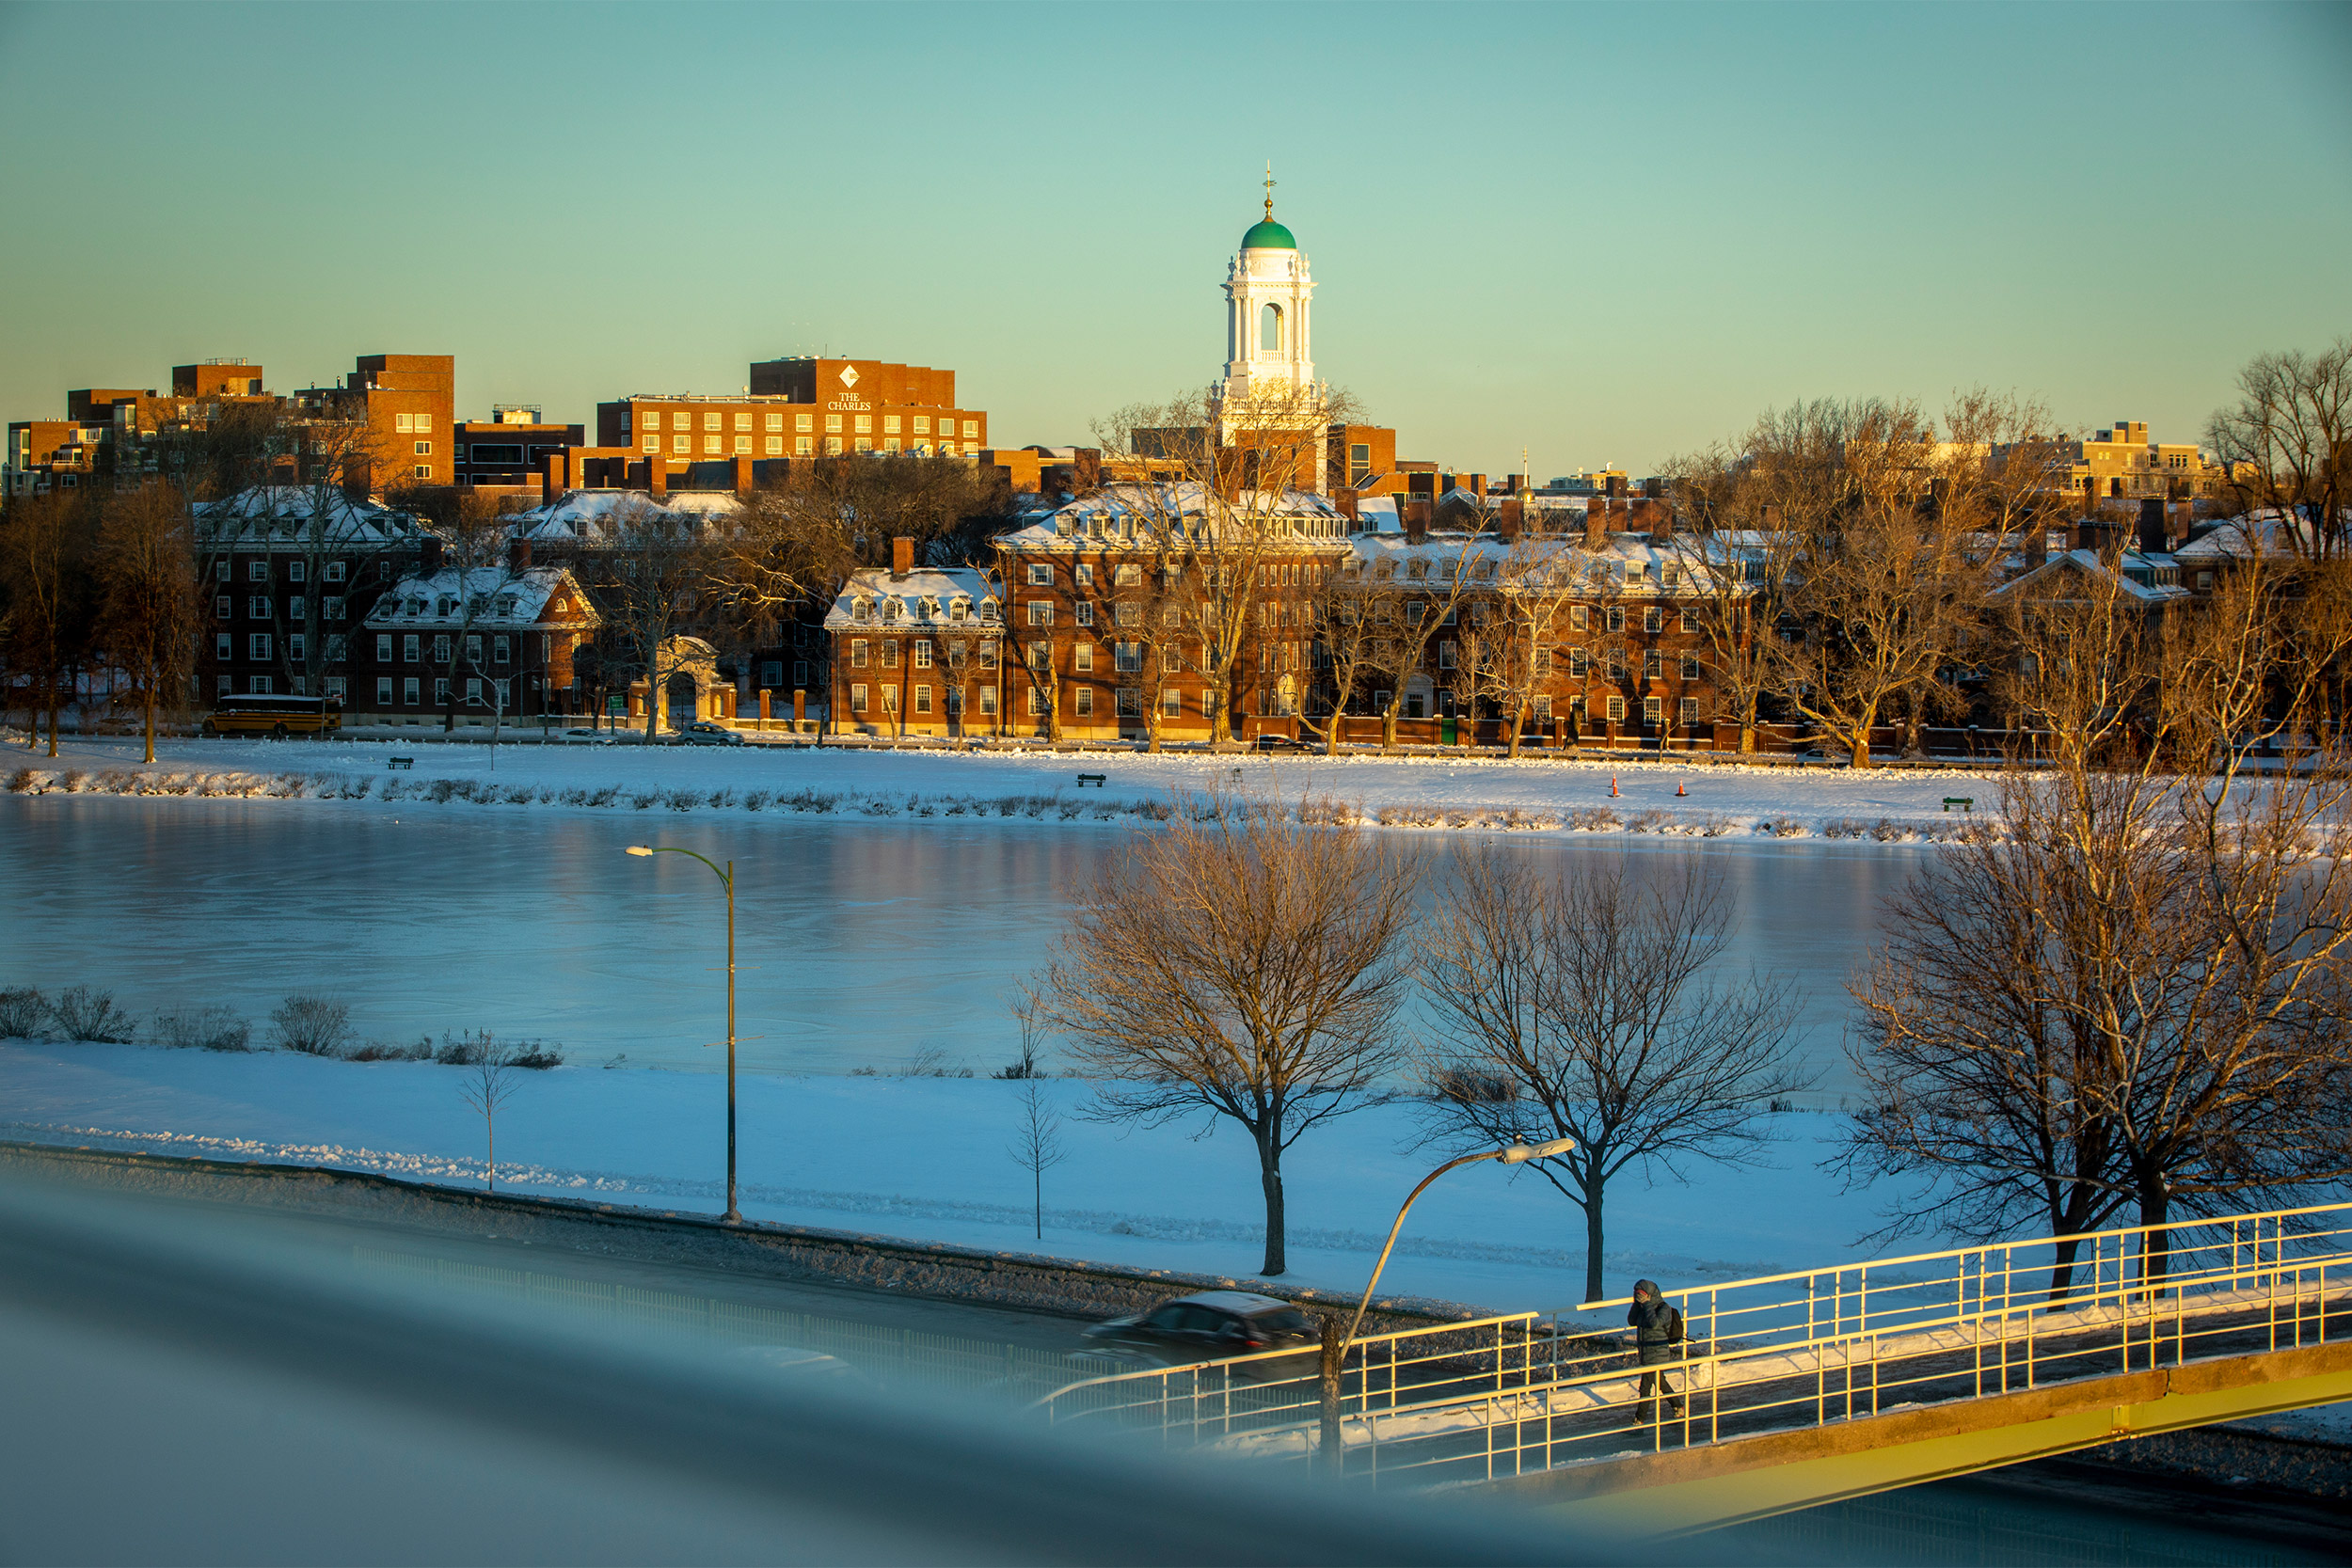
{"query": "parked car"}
[(1283, 743), (1212, 1326), (702, 731)]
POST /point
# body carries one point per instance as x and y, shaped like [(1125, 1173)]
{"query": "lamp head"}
[(639, 850), (1518, 1154)]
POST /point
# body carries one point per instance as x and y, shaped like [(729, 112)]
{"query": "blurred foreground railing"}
[(1504, 1396)]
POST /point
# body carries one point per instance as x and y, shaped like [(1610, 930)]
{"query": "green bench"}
[(401, 765), (1966, 802), (1097, 780)]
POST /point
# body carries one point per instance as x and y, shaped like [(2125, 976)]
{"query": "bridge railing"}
[(1501, 1395)]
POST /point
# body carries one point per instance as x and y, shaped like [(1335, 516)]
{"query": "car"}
[(1283, 743), (700, 732), (1213, 1325), (589, 737)]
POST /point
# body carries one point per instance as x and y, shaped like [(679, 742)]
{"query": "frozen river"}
[(863, 943)]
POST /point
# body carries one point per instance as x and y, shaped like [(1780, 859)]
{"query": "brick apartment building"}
[(481, 644), (506, 453)]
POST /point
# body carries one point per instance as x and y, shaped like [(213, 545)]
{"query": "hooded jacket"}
[(1653, 1323)]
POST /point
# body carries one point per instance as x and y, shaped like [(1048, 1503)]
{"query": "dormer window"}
[(959, 609), (507, 604), (864, 610), (1632, 571), (444, 606), (988, 610), (930, 607), (1669, 576), (892, 609)]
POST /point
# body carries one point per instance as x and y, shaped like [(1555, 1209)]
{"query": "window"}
[(832, 424), (804, 446), (424, 424), (499, 647), (259, 685), (711, 420), (857, 699), (922, 699), (408, 690), (1084, 612), (710, 446), (1580, 662), (803, 421), (1082, 658), (421, 471), (1689, 619), (473, 692), (1128, 657), (1651, 708), (440, 648), (890, 655), (225, 686), (890, 424), (223, 646), (1083, 573), (1041, 574), (773, 421), (890, 699), (1654, 618), (1580, 617), (297, 609), (1037, 703), (861, 424), (1130, 614), (257, 571), (1270, 329), (922, 425), (1689, 710), (402, 423), (1650, 662), (335, 650), (1616, 710), (1542, 710), (988, 655), (742, 445), (1616, 618), (1616, 664), (440, 691), (1082, 701), (1040, 613), (257, 646), (425, 449), (1445, 655), (1359, 463), (775, 446), (972, 428), (682, 446), (295, 571), (223, 607), (1130, 702), (383, 692), (408, 648), (1172, 703), (256, 607), (1689, 667), (1040, 655), (922, 652), (857, 653)]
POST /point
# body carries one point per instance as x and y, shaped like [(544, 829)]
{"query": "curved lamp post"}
[(726, 878), (1516, 1155)]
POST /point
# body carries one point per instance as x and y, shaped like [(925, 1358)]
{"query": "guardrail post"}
[(1330, 1455)]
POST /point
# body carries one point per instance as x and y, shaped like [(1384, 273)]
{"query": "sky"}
[(1596, 233)]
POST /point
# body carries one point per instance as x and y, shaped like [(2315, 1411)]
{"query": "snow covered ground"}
[(1415, 791), (928, 1159)]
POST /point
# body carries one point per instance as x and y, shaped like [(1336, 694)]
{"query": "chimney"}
[(2036, 543), (2151, 527), (1509, 516), (1595, 524), (518, 554), (657, 479), (1655, 489), (901, 556), (1349, 509), (1616, 483), (1416, 519), (743, 479), (1662, 520), (428, 555)]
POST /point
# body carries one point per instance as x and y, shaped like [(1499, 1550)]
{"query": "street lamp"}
[(726, 878), (1516, 1155)]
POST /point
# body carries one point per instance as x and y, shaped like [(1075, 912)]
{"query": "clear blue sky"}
[(1600, 232)]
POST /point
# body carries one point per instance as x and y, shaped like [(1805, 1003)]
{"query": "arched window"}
[(1270, 329)]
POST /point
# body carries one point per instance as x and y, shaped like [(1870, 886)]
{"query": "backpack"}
[(1673, 1325)]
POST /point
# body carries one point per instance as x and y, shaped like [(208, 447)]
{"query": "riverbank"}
[(1547, 796)]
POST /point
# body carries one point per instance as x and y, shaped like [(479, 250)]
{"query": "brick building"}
[(408, 403), (507, 454), (477, 646), (801, 408)]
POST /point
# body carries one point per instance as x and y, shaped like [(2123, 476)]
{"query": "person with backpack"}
[(1656, 1340)]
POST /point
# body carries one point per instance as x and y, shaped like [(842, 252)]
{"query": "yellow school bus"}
[(276, 716)]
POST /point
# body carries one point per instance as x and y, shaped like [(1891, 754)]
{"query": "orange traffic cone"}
[(1612, 786), (1680, 793)]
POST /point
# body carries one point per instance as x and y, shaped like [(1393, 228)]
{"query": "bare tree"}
[(2287, 445), (1736, 551), (659, 565), (1349, 642), (1237, 964), (1515, 622), (45, 567), (2129, 991), (146, 567), (1413, 593), (1037, 1147), (489, 1079), (1584, 1007)]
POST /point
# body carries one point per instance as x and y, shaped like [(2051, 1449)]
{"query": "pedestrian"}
[(1656, 1340)]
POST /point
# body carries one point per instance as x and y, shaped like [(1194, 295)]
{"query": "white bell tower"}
[(1268, 320)]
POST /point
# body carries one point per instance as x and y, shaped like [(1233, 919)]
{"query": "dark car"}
[(1283, 743), (700, 732), (1215, 1325)]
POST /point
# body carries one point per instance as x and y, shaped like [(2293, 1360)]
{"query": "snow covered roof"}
[(2149, 578), (2269, 532), (927, 596), (1117, 510), (1624, 560), (283, 510), (601, 517), (499, 597)]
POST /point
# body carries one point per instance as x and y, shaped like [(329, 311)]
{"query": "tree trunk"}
[(1270, 1175), (2063, 1270), (1517, 718), (1593, 1288), (2155, 1245), (53, 715), (653, 705), (490, 1136), (1387, 727), (150, 720)]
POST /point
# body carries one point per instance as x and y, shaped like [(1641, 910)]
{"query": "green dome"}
[(1268, 235)]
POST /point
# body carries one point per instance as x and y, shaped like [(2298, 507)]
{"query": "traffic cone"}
[(1612, 786), (1681, 793)]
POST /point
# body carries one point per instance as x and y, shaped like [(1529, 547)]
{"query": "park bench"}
[(1095, 779), (1966, 802), (401, 765)]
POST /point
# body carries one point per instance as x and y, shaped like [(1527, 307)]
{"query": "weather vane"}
[(1269, 190)]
